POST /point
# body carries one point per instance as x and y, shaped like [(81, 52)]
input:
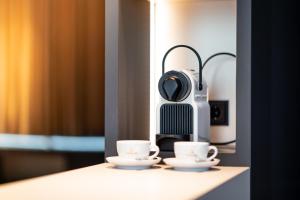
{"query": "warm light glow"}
[(158, 9), (52, 67), (152, 72), (15, 62)]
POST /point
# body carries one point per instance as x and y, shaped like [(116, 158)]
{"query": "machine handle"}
[(198, 57)]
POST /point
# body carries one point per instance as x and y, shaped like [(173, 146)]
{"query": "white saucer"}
[(190, 165), (125, 163)]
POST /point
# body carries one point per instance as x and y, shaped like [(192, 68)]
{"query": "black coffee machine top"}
[(174, 86)]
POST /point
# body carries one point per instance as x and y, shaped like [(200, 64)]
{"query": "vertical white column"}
[(152, 72)]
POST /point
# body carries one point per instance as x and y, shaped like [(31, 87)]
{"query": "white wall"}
[(210, 27)]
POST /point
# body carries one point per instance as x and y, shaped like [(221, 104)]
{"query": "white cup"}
[(136, 149), (197, 151)]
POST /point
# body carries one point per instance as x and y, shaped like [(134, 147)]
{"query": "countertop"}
[(105, 182)]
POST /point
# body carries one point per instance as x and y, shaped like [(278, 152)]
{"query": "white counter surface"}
[(105, 182)]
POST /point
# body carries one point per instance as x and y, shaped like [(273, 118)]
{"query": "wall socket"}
[(219, 113)]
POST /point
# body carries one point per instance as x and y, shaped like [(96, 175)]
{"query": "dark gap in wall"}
[(275, 99)]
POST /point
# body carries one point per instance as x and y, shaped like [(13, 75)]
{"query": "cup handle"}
[(214, 154), (156, 149)]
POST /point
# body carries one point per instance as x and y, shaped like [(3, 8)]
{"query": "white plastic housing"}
[(201, 109)]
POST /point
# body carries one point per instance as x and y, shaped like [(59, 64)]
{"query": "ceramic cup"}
[(136, 149), (197, 151)]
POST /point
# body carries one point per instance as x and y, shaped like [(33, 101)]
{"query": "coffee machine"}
[(183, 111)]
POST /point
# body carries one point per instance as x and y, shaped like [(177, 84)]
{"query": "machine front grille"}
[(176, 119)]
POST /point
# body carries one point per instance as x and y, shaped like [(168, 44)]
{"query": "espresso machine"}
[(183, 111)]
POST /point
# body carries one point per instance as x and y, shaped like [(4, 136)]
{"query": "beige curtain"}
[(52, 67)]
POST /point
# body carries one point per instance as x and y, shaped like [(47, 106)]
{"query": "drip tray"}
[(165, 142)]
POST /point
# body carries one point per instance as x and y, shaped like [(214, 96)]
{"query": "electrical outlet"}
[(219, 113)]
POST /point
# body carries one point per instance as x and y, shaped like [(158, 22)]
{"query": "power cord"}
[(206, 61), (217, 54), (223, 143)]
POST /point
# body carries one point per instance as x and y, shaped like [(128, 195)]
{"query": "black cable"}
[(206, 61), (217, 54), (224, 143), (198, 56)]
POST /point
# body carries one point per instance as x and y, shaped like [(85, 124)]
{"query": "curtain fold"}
[(52, 67)]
